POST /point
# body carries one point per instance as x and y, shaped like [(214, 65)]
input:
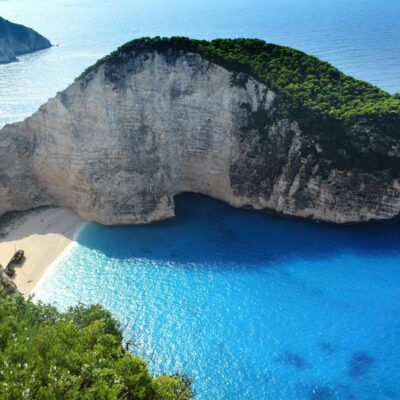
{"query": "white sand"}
[(44, 235)]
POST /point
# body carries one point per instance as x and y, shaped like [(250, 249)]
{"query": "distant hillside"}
[(18, 39)]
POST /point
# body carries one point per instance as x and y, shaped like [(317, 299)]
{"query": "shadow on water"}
[(208, 231)]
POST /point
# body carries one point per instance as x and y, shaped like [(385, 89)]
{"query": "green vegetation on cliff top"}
[(306, 83), (45, 354)]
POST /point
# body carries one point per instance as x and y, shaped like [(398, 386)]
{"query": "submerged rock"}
[(148, 123), (17, 39), (294, 360), (359, 364)]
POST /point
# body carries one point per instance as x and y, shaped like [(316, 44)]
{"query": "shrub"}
[(45, 354)]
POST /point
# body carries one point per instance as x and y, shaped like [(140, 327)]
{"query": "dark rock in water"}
[(327, 348), (359, 364), (294, 360), (17, 39), (321, 393)]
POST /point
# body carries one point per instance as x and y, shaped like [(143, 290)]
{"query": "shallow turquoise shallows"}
[(251, 306)]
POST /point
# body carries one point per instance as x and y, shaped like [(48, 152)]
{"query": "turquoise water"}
[(361, 37), (251, 306)]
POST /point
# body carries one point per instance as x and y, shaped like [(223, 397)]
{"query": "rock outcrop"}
[(125, 138), (6, 283), (17, 39)]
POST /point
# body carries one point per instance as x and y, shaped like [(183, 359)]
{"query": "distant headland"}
[(16, 40)]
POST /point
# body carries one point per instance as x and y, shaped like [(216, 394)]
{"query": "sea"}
[(250, 305)]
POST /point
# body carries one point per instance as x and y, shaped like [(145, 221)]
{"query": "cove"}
[(251, 306)]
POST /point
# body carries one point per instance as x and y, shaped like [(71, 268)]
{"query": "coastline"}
[(64, 254), (46, 236)]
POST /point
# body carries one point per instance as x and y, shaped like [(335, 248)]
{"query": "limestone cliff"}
[(136, 130), (17, 39)]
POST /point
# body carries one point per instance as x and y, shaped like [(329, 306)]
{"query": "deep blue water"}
[(251, 306), (361, 37)]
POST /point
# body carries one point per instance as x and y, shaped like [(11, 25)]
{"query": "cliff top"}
[(306, 83)]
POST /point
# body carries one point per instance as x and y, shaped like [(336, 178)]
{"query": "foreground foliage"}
[(45, 354)]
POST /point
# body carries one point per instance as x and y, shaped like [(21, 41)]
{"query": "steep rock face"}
[(123, 140), (17, 39)]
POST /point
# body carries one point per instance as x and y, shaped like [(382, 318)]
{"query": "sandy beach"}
[(44, 235)]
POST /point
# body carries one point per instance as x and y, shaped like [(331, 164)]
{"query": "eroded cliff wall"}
[(123, 140)]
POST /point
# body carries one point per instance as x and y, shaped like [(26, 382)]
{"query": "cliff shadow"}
[(209, 232)]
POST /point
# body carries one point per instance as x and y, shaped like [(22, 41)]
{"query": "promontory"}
[(250, 123), (16, 40)]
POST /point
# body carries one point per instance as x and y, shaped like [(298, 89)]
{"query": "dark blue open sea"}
[(251, 306)]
